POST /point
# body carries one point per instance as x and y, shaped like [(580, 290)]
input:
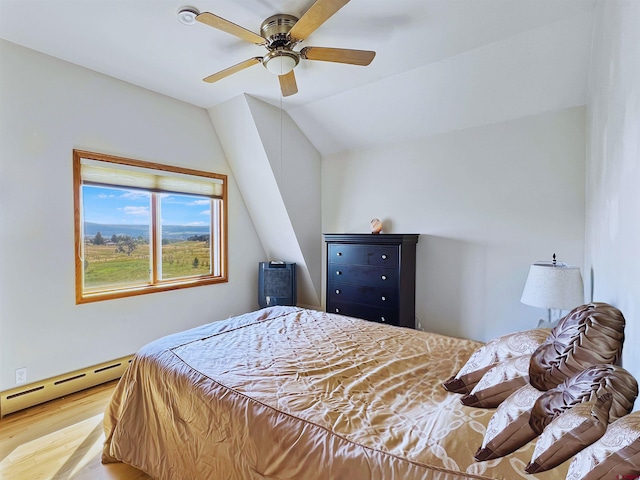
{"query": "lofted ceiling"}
[(441, 65)]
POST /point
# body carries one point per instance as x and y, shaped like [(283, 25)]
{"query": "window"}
[(143, 227)]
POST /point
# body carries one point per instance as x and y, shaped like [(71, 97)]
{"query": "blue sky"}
[(129, 207)]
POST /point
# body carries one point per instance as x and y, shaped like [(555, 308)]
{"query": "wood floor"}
[(60, 440)]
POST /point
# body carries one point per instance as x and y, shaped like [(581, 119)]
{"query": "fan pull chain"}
[(281, 136)]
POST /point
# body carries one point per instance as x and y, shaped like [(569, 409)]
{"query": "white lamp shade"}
[(281, 64), (550, 286)]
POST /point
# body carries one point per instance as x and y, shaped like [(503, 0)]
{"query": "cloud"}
[(182, 200), (129, 210), (134, 195), (205, 212), (197, 224)]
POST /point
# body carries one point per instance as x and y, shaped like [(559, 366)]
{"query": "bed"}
[(291, 393)]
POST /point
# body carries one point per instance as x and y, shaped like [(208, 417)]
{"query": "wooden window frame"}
[(156, 285)]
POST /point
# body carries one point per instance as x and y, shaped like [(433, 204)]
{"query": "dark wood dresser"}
[(372, 276)]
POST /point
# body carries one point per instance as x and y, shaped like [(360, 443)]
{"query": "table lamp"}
[(555, 286)]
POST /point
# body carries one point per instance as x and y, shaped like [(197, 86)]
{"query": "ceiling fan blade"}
[(288, 84), (231, 70), (319, 13), (339, 55), (229, 27)]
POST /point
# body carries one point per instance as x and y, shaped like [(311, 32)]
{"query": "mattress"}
[(291, 393)]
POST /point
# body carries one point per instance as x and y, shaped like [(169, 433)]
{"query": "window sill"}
[(91, 297)]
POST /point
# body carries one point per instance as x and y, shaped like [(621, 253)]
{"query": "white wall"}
[(613, 168), (47, 108), (538, 70), (278, 172), (488, 201), (296, 166)]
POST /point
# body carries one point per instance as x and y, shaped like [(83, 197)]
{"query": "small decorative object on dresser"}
[(376, 226), (372, 277)]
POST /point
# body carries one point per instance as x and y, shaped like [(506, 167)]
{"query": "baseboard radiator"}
[(35, 393)]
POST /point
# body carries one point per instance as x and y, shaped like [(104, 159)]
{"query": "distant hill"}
[(172, 232)]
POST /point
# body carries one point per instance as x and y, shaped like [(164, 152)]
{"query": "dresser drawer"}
[(377, 255), (363, 275), (366, 312), (375, 296)]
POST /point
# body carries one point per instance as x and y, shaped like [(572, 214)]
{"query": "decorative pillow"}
[(493, 352), (587, 385), (615, 455), (591, 334), (499, 382), (509, 429), (569, 433)]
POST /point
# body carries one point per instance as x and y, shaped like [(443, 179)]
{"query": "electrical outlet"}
[(21, 375)]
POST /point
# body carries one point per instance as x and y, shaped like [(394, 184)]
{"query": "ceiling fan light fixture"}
[(187, 15), (280, 62)]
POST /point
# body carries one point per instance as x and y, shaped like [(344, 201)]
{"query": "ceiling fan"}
[(280, 34)]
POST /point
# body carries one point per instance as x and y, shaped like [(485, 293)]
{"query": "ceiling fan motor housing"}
[(275, 30)]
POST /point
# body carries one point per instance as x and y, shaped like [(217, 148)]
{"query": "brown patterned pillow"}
[(587, 385), (569, 433), (509, 429), (499, 382), (493, 352), (615, 455), (591, 334)]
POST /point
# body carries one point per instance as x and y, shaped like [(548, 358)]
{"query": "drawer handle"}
[(339, 254), (338, 291), (337, 310), (384, 277), (338, 272), (382, 319), (384, 299), (384, 257)]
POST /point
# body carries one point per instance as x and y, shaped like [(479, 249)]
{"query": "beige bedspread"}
[(288, 393)]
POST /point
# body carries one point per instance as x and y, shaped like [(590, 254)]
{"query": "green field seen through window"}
[(106, 266)]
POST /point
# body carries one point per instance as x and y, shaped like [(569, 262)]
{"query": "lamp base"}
[(542, 323)]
